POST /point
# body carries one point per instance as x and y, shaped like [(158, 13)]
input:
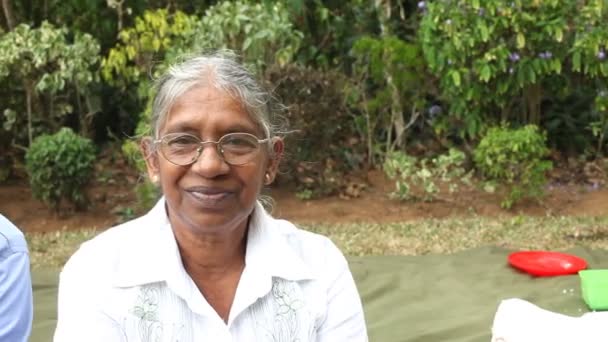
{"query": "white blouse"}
[(129, 284)]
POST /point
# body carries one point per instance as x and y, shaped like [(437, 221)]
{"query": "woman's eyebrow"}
[(185, 127), (240, 128), (181, 127)]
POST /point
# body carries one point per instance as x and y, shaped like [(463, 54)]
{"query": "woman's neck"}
[(215, 262), (212, 255)]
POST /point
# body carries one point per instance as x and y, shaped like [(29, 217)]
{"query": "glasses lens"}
[(180, 149), (239, 148)]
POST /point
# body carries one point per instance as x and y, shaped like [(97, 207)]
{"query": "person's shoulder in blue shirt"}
[(16, 308)]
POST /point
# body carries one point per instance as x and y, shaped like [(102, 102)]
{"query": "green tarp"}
[(418, 298)]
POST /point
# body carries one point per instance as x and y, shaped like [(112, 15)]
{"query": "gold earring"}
[(267, 178)]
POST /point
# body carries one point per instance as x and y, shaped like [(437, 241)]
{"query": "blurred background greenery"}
[(495, 91)]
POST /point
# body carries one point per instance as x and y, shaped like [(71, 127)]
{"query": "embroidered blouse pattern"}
[(283, 316), (280, 316), (145, 319)]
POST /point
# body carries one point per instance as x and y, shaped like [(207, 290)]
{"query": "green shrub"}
[(430, 174), (55, 69), (326, 146), (262, 33), (59, 167), (400, 167), (147, 194), (514, 157), (599, 127)]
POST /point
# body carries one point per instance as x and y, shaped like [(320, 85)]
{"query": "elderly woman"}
[(208, 263)]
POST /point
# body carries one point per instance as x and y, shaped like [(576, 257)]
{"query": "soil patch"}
[(113, 199)]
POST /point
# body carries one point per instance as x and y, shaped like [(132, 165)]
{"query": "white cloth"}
[(129, 284), (517, 320)]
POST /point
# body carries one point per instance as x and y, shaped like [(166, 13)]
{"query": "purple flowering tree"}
[(497, 59)]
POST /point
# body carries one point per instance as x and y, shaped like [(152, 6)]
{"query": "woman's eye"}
[(238, 142), (182, 141)]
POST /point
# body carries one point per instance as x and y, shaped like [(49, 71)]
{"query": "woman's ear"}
[(275, 159), (148, 151)]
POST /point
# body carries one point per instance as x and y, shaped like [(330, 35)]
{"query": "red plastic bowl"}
[(542, 263)]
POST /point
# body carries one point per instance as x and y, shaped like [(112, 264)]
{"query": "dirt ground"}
[(112, 197)]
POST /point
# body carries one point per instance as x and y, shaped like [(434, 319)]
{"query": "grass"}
[(452, 235), (51, 250)]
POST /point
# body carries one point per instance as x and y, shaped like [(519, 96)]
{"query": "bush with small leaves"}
[(430, 175), (514, 157), (59, 167)]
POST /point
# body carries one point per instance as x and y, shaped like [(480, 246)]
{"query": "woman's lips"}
[(209, 197)]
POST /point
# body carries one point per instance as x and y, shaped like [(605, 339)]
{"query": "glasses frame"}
[(201, 145)]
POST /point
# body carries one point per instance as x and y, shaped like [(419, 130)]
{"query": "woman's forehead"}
[(209, 108)]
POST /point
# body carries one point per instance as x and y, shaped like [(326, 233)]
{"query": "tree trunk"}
[(370, 138), (8, 14), (28, 97), (120, 12), (396, 111), (533, 99), (397, 122), (85, 115), (369, 128)]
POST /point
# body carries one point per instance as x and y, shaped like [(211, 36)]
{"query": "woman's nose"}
[(210, 162)]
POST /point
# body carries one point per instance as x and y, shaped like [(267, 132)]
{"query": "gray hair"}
[(221, 70)]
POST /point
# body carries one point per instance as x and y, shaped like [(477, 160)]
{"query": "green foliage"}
[(325, 146), (59, 167), (515, 158), (568, 117), (499, 56), (147, 195), (145, 44), (329, 29), (386, 85), (49, 64), (599, 128), (91, 16), (304, 195), (588, 50), (130, 147), (401, 167), (431, 175), (261, 33)]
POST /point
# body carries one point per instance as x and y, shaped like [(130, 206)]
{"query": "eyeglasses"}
[(185, 149)]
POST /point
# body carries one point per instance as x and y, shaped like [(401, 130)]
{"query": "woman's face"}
[(210, 195)]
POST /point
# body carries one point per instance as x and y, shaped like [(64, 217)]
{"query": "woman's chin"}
[(213, 220)]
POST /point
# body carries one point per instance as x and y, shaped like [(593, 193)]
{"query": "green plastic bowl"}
[(594, 286)]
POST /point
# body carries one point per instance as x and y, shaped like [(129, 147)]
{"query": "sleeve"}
[(344, 320), (16, 309), (80, 316)]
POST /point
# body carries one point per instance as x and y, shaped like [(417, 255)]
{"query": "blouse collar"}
[(152, 254)]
